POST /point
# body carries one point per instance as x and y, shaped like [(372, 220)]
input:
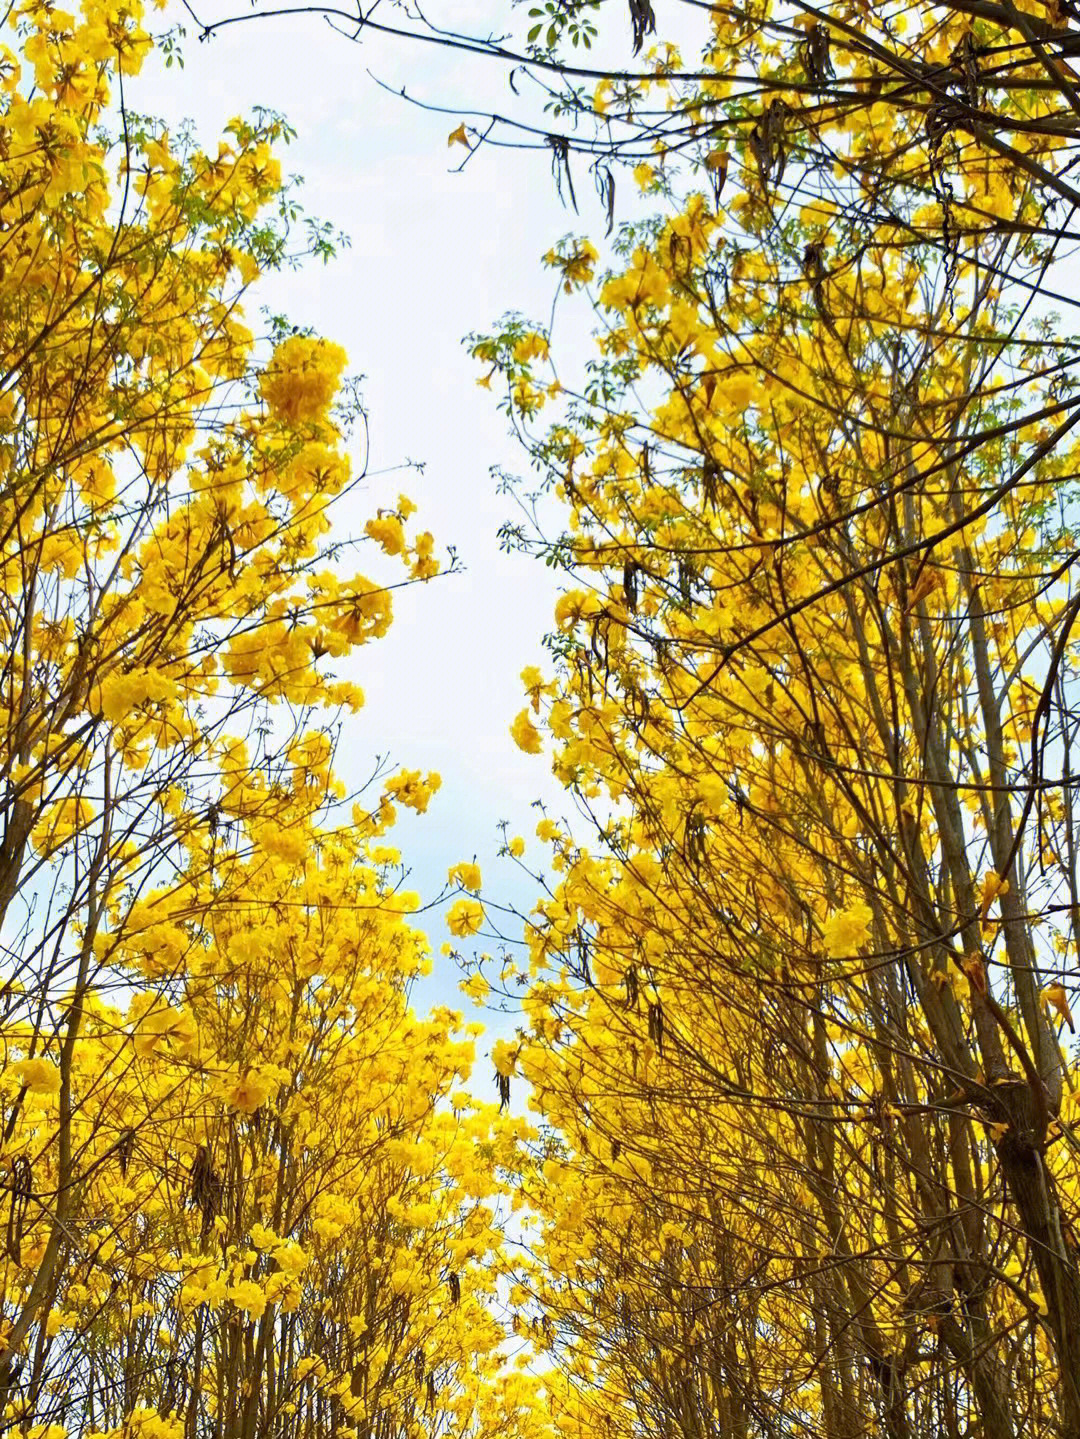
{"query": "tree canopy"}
[(785, 1140)]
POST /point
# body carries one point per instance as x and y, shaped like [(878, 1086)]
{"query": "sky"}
[(436, 251)]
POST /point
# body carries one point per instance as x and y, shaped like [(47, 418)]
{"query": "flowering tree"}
[(244, 1193), (801, 995)]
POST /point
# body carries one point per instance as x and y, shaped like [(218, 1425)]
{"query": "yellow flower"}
[(574, 606), (290, 1258), (577, 263), (517, 846), (302, 378), (121, 694), (1055, 997), (476, 987), (526, 735), (504, 1057), (533, 681), (249, 1091), (40, 1076), (465, 917), (467, 875), (164, 1028), (992, 887), (59, 823), (846, 930), (737, 389), (410, 790), (531, 346), (388, 531), (247, 1295)]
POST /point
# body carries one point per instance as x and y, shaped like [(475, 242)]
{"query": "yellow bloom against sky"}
[(424, 242)]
